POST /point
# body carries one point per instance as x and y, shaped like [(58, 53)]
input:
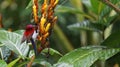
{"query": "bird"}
[(30, 34)]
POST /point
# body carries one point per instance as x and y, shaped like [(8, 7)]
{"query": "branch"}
[(1, 24), (107, 2), (31, 61)]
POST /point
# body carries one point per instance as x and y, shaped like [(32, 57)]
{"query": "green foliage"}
[(42, 60), (86, 56), (113, 40), (4, 53), (3, 63), (19, 32), (51, 51), (96, 16), (66, 9), (86, 25), (13, 41), (11, 64)]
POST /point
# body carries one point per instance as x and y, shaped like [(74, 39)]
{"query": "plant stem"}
[(31, 61)]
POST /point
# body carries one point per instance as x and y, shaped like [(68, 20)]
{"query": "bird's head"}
[(30, 27), (29, 30)]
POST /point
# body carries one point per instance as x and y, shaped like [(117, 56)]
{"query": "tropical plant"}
[(86, 35)]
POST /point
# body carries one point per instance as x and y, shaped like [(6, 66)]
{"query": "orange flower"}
[(47, 20), (35, 10)]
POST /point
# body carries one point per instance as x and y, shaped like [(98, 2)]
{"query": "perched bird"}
[(30, 35)]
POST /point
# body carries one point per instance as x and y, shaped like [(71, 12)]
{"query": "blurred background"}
[(80, 23)]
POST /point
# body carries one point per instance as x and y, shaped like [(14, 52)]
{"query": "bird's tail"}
[(34, 46)]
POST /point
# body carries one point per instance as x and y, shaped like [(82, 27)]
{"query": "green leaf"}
[(29, 5), (39, 61), (44, 63), (13, 41), (5, 53), (107, 53), (113, 40), (21, 64), (3, 63), (51, 51), (64, 9), (108, 15), (11, 64), (53, 55), (19, 32), (105, 12), (86, 56), (86, 25), (63, 65), (42, 60), (1, 45), (115, 1), (95, 4), (80, 57)]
